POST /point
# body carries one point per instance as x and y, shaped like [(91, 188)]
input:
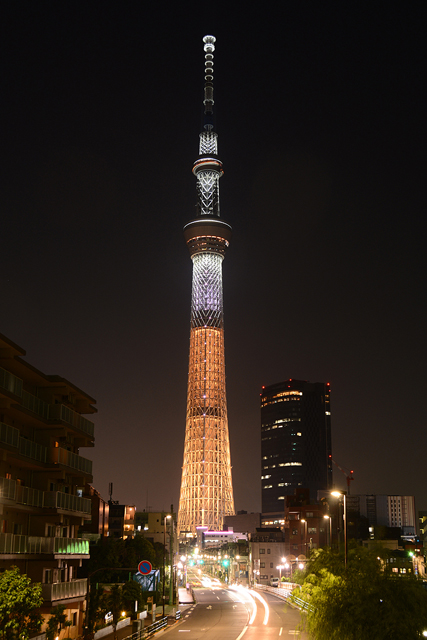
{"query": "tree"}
[(131, 591), (362, 601), (19, 604), (56, 621)]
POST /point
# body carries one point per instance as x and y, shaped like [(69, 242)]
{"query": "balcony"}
[(66, 502), (35, 405), (19, 494), (9, 435), (28, 496), (7, 489), (32, 450), (71, 460), (64, 590), (10, 383), (15, 544), (65, 414), (49, 499)]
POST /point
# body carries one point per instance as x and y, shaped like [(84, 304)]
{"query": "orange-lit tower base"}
[(206, 487)]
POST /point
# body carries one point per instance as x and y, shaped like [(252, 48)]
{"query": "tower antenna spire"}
[(208, 101)]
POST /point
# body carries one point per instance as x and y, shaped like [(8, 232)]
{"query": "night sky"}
[(321, 115)]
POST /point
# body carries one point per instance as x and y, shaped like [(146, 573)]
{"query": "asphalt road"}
[(227, 614)]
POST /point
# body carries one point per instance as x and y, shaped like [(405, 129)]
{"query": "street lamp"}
[(337, 494), (330, 529), (280, 567), (164, 561), (305, 536)]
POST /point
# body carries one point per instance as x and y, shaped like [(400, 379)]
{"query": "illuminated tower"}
[(206, 488)]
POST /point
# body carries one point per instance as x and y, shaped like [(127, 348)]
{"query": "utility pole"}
[(171, 577)]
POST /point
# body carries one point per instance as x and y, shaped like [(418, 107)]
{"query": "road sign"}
[(145, 567)]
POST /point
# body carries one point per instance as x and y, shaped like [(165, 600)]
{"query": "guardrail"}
[(148, 631)]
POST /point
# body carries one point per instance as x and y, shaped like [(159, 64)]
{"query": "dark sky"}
[(321, 113)]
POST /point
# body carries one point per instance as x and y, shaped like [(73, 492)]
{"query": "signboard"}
[(145, 567), (148, 582)]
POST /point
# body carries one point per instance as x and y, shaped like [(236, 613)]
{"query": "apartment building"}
[(42, 479)]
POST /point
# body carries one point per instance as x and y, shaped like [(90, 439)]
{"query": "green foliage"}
[(114, 601), (56, 621), (363, 601), (131, 591), (19, 604)]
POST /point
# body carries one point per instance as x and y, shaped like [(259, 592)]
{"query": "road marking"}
[(280, 632), (293, 632), (243, 632), (182, 630), (210, 607), (218, 598)]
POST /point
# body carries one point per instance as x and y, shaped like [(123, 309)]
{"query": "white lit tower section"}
[(206, 487)]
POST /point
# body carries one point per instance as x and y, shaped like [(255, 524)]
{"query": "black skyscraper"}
[(295, 441)]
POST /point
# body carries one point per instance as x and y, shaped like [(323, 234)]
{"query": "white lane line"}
[(280, 632), (242, 634)]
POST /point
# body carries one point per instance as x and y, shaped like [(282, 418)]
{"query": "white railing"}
[(63, 590), (12, 543)]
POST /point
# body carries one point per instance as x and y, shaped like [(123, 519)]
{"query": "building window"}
[(262, 565), (294, 532), (309, 514), (312, 530), (75, 619), (271, 565), (268, 550), (261, 551)]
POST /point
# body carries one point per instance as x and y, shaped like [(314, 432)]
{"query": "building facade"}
[(42, 480), (206, 488), (295, 441), (386, 510)]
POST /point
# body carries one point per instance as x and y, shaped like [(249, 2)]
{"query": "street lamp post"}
[(337, 494), (330, 529), (305, 536), (164, 560)]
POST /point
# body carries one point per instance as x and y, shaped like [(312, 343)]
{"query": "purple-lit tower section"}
[(206, 487)]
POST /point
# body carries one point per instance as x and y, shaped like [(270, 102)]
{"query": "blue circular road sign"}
[(145, 567)]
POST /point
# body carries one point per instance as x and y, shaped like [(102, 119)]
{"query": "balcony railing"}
[(49, 499), (70, 459), (34, 404), (53, 412), (10, 383), (66, 501), (65, 414), (11, 543), (63, 590), (29, 496), (32, 450), (7, 488), (9, 435)]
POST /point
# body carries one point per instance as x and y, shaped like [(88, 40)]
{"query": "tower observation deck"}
[(206, 488)]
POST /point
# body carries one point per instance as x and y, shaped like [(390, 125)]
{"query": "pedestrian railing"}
[(148, 631)]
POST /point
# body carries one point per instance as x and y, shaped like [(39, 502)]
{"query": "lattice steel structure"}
[(206, 487)]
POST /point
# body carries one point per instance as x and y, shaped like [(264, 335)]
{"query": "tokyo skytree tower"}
[(206, 488)]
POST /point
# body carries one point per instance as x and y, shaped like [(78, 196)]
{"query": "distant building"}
[(97, 526), (306, 528), (121, 520), (243, 521), (267, 552), (388, 511), (151, 525), (42, 479), (295, 441), (213, 539)]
